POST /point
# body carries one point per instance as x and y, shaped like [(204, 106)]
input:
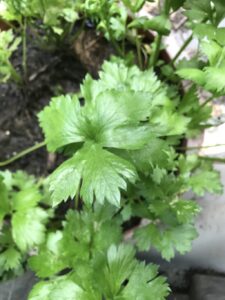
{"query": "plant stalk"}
[(207, 101), (22, 153), (183, 47), (15, 75), (213, 159), (156, 50), (139, 55), (24, 38), (155, 54), (200, 147)]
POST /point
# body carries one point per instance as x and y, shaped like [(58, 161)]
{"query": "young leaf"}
[(10, 259), (26, 198), (166, 241), (62, 288), (28, 227), (192, 74), (60, 130), (8, 44), (215, 79), (52, 250), (205, 181), (160, 24), (185, 210)]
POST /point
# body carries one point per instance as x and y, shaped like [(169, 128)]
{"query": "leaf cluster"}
[(22, 220), (8, 45)]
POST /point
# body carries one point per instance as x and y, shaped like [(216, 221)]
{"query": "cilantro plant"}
[(22, 221), (123, 138), (122, 164)]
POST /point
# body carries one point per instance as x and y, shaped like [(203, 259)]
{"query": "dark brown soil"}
[(49, 74)]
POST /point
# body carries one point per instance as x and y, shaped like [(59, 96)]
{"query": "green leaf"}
[(60, 130), (22, 180), (169, 122), (123, 277), (4, 200), (154, 153), (8, 44), (219, 35), (158, 174), (198, 12), (28, 227), (134, 5), (144, 284), (212, 50), (10, 259), (160, 24), (62, 288), (205, 181), (49, 260), (215, 79), (185, 210), (103, 175), (166, 241), (192, 74), (100, 229), (192, 108), (26, 198), (130, 137), (117, 267), (111, 115), (204, 30), (117, 76)]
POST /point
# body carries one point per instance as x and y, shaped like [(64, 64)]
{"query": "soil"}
[(49, 74)]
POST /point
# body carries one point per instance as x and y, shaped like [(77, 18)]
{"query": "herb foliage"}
[(122, 137)]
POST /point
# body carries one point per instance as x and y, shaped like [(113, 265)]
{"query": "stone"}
[(18, 288), (207, 287)]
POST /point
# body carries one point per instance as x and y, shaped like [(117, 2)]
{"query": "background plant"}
[(22, 221), (8, 44)]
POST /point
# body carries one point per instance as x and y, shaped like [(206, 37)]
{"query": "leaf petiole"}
[(22, 153)]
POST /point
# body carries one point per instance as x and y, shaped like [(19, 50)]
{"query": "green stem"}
[(156, 50), (207, 101), (165, 10), (139, 55), (24, 38), (213, 159), (22, 153), (113, 41), (200, 147), (42, 5), (166, 7), (116, 46), (15, 75), (183, 47)]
